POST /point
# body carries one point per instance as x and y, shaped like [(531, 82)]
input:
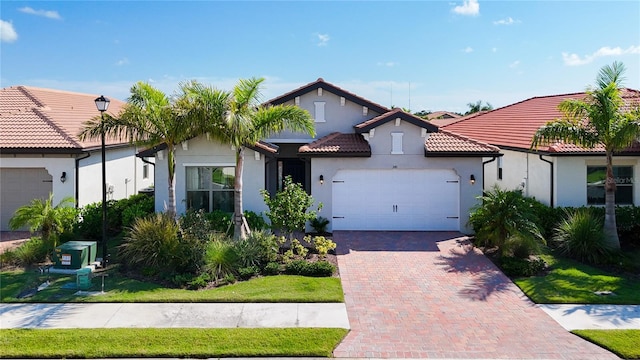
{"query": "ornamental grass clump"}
[(580, 235)]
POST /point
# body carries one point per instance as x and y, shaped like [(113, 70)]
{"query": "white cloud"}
[(123, 61), (507, 21), (323, 39), (468, 49), (494, 49), (514, 64), (387, 64), (468, 7), (576, 60), (44, 13), (7, 32)]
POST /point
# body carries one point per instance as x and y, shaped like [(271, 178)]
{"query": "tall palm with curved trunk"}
[(598, 119), (237, 118), (149, 118)]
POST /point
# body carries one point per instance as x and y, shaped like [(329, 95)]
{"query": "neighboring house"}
[(371, 167), (444, 118), (557, 175), (40, 151)]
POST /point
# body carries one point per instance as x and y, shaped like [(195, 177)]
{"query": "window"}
[(396, 143), (210, 188), (145, 169), (319, 110), (596, 178)]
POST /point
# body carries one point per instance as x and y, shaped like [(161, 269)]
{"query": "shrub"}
[(256, 221), (200, 281), (246, 273), (120, 214), (305, 268), (504, 220), (581, 236), (516, 267), (322, 245), (272, 268), (152, 243), (220, 259), (257, 249), (221, 222), (319, 224), (195, 224), (28, 253), (288, 209), (134, 207), (295, 251)]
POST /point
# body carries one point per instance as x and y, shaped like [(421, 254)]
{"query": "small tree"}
[(41, 215), (289, 208)]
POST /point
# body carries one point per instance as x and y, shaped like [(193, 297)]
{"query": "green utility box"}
[(83, 278), (93, 248), (71, 256)]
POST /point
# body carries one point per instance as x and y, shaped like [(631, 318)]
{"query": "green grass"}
[(623, 343), (571, 282), (282, 288), (172, 343)]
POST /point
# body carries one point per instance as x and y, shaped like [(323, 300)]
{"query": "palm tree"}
[(477, 107), (598, 119), (237, 118), (41, 215), (149, 118)]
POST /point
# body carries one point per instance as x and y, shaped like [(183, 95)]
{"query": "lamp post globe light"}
[(102, 103)]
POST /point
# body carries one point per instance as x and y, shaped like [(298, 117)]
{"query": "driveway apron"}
[(432, 295)]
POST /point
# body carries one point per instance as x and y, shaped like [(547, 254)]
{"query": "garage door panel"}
[(18, 186), (395, 200)]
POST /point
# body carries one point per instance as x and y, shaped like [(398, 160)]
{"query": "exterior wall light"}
[(321, 179), (63, 177), (472, 179)]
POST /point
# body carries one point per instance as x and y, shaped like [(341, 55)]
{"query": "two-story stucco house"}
[(371, 167)]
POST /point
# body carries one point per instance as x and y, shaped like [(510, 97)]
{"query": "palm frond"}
[(611, 74), (274, 119), (565, 131)]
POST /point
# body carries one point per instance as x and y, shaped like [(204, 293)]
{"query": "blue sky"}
[(422, 55)]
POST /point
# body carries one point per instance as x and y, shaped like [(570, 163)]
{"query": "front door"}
[(295, 168)]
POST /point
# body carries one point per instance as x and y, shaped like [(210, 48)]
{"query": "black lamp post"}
[(102, 103)]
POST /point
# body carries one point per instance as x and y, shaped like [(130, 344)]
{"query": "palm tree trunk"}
[(171, 163), (610, 227), (238, 229)]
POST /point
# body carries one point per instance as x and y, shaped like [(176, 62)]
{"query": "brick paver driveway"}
[(432, 295)]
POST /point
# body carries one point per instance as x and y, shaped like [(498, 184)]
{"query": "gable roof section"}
[(513, 126), (320, 83), (338, 145), (33, 118), (392, 115), (446, 143)]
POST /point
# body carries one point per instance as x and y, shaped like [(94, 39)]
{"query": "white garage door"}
[(396, 200), (18, 187)]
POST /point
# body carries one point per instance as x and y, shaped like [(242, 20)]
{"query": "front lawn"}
[(623, 343), (571, 282), (281, 288), (169, 343)]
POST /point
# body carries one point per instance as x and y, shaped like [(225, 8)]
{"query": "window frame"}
[(209, 189), (622, 182)]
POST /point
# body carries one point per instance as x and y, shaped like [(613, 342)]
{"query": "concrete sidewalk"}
[(173, 315), (597, 317)]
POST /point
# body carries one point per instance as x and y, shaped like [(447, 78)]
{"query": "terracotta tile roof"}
[(392, 115), (449, 121), (513, 126), (36, 118), (338, 144), (448, 143), (442, 115), (320, 83)]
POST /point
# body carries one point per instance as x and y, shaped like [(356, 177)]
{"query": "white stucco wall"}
[(202, 152), (124, 174), (570, 176)]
